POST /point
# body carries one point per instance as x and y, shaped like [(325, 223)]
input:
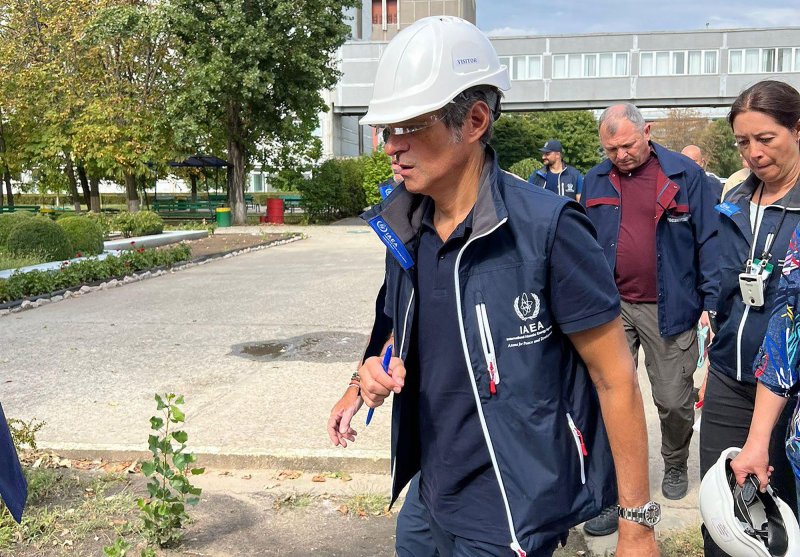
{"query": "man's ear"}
[(477, 122)]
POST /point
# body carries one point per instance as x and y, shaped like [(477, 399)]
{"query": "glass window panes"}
[(590, 65), (768, 60), (574, 65), (559, 66), (646, 63), (751, 60), (695, 62), (710, 61), (678, 63), (534, 67), (622, 64), (606, 65), (783, 60), (520, 68), (735, 63), (662, 63), (797, 59)]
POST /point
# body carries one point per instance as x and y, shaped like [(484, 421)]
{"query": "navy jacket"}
[(686, 235), (570, 181), (546, 401), (741, 328), (13, 486)]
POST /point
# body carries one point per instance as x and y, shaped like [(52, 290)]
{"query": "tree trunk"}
[(143, 185), (84, 184), (130, 190), (6, 171), (237, 162), (9, 193), (193, 178), (94, 194), (73, 184)]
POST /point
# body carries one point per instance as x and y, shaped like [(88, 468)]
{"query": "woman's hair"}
[(777, 99)]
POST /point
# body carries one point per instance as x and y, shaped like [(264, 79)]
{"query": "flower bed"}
[(35, 283)]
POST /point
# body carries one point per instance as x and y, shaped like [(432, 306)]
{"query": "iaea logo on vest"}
[(527, 306)]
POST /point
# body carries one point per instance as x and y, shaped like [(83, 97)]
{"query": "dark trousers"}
[(727, 412), (414, 537)]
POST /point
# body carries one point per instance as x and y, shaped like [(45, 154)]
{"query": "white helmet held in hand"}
[(743, 521), (427, 64)]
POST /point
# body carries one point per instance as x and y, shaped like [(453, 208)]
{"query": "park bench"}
[(15, 208), (291, 202)]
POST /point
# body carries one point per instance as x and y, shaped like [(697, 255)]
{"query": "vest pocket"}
[(487, 343), (579, 445)]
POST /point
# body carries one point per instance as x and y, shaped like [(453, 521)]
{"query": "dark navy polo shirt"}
[(551, 182), (458, 483)]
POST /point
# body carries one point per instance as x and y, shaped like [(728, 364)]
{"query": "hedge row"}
[(23, 234), (36, 283)]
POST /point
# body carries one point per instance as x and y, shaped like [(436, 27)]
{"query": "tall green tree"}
[(124, 126), (519, 136), (719, 147), (251, 73)]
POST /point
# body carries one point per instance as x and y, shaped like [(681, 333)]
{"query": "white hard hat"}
[(427, 64), (743, 521)]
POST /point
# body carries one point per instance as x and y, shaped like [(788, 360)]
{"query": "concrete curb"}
[(309, 462)]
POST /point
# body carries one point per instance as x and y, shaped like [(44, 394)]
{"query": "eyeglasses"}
[(385, 132)]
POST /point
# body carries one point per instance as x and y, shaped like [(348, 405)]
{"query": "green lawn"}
[(8, 261)]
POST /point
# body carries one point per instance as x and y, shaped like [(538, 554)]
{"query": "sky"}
[(558, 17)]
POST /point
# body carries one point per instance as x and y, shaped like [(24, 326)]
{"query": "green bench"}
[(291, 202), (15, 208)]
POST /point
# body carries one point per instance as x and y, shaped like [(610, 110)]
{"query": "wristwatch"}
[(648, 514)]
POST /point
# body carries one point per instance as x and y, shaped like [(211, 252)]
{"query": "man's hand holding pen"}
[(377, 384)]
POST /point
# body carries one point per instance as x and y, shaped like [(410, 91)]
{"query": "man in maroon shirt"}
[(653, 213)]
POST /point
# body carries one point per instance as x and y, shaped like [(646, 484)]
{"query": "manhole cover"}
[(312, 347)]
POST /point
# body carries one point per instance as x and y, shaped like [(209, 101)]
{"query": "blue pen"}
[(385, 364)]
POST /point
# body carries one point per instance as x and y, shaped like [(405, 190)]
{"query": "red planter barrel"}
[(275, 210)]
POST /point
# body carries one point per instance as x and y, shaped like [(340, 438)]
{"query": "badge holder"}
[(752, 283)]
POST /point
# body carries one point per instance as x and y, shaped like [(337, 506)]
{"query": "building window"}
[(678, 62), (258, 181), (522, 67), (602, 64), (377, 12), (764, 60)]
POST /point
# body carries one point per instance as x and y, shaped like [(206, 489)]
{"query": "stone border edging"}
[(34, 302)]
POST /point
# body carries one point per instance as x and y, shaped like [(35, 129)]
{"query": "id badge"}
[(752, 288)]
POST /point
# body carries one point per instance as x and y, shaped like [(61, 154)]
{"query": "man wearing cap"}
[(510, 396), (653, 210), (556, 176)]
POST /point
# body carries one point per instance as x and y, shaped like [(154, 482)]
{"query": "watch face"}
[(652, 513)]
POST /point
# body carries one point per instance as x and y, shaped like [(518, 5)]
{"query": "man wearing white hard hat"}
[(499, 374)]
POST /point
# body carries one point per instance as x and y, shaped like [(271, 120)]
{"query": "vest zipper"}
[(515, 546), (401, 355), (488, 348), (580, 445)]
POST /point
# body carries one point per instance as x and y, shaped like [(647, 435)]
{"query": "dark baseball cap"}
[(551, 145)]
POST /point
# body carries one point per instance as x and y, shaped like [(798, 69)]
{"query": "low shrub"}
[(146, 223), (335, 191), (141, 223), (377, 169), (525, 167), (8, 221), (36, 283), (102, 220), (84, 234), (40, 235)]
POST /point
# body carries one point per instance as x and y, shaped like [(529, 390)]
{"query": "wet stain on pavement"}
[(313, 347)]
